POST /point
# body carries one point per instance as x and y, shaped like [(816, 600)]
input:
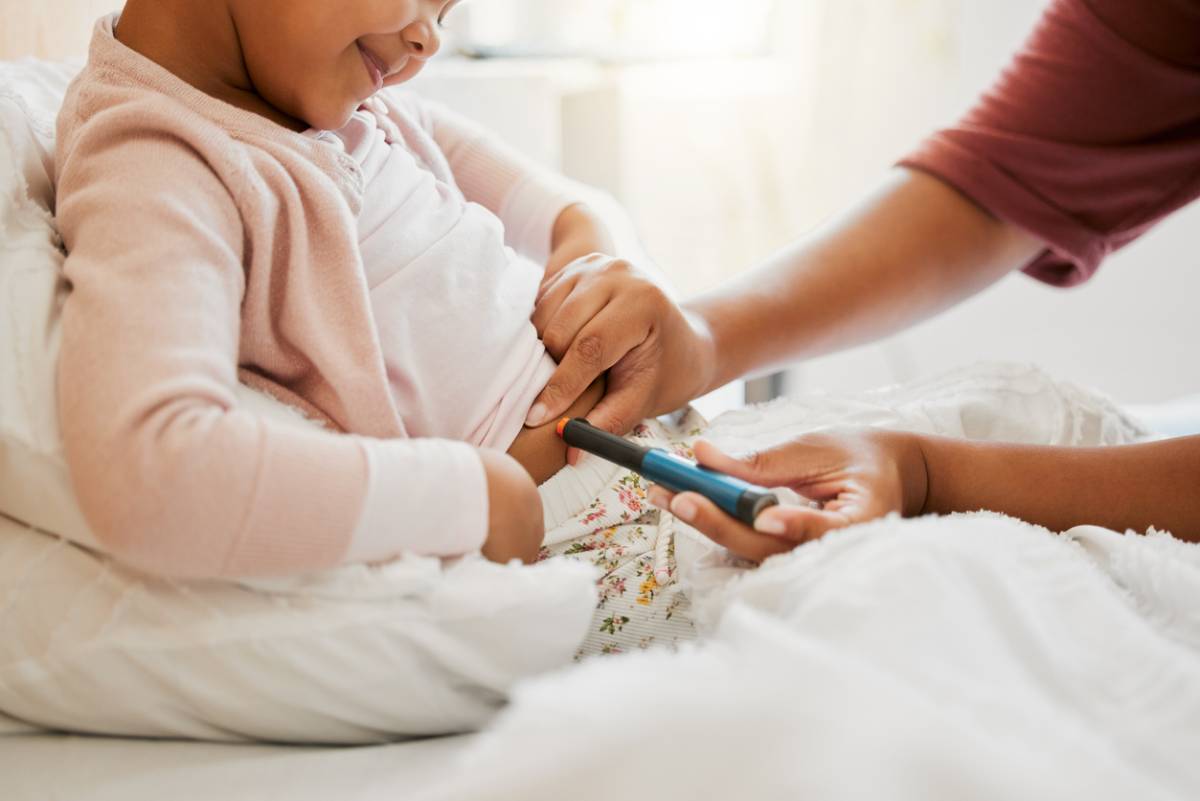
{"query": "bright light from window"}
[(617, 29)]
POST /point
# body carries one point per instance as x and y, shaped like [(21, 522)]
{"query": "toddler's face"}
[(317, 60)]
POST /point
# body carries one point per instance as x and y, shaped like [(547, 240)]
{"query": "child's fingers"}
[(703, 515)]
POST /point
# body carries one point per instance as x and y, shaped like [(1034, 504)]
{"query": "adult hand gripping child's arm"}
[(600, 314), (597, 314), (860, 475)]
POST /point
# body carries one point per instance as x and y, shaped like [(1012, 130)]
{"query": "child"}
[(233, 208)]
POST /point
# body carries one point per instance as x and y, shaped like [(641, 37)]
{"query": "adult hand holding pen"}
[(860, 475), (854, 475)]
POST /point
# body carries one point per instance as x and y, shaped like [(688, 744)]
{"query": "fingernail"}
[(536, 415), (683, 508), (769, 525), (658, 498)]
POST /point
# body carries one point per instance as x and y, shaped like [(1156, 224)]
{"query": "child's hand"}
[(856, 475), (515, 529), (603, 314)]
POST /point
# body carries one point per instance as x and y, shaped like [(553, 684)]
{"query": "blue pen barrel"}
[(734, 496)]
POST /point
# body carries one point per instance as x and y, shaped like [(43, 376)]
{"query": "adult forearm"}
[(908, 251), (1125, 487)]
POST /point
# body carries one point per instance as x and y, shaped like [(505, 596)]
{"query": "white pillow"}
[(357, 655), (36, 487), (354, 655)]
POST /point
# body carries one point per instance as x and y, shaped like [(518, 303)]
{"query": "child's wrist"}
[(579, 232)]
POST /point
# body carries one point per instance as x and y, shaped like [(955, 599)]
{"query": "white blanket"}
[(971, 656), (963, 657)]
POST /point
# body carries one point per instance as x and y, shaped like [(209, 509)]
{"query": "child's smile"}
[(301, 63), (377, 68)]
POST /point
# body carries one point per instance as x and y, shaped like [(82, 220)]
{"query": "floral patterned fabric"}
[(597, 513), (641, 602)]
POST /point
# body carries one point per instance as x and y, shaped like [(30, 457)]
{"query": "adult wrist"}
[(917, 479), (707, 354), (718, 348)]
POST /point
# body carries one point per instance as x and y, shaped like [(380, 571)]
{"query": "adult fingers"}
[(657, 496), (624, 404), (596, 348), (579, 308), (703, 515), (797, 524), (780, 466), (800, 524), (550, 300)]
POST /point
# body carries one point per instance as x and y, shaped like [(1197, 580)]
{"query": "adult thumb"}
[(620, 410), (768, 468)]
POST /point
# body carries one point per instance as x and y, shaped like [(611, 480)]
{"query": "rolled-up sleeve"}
[(1089, 137)]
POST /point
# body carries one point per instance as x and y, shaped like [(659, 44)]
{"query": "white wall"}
[(722, 163)]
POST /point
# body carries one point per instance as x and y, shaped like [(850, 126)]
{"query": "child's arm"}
[(578, 232), (861, 475), (529, 199), (174, 477)]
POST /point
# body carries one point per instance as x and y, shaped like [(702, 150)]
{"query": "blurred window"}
[(616, 30)]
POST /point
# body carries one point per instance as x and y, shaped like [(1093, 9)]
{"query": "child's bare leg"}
[(540, 450)]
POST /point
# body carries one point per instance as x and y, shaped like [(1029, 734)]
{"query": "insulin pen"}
[(736, 497)]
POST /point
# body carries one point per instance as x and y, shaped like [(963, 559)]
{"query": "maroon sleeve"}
[(1090, 137)]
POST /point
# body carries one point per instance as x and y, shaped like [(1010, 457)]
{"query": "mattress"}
[(37, 767)]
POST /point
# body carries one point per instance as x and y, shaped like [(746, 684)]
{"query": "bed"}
[(831, 674), (966, 656), (35, 766)]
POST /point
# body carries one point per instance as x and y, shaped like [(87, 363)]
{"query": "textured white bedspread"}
[(968, 657), (964, 657), (971, 656)]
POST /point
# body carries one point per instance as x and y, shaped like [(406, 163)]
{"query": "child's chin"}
[(332, 120)]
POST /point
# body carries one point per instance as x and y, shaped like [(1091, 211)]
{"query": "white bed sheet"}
[(543, 747), (66, 768)]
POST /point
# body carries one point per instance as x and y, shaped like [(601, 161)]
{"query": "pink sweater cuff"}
[(424, 496)]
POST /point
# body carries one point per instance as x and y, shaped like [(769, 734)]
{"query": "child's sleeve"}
[(172, 476), (526, 197)]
